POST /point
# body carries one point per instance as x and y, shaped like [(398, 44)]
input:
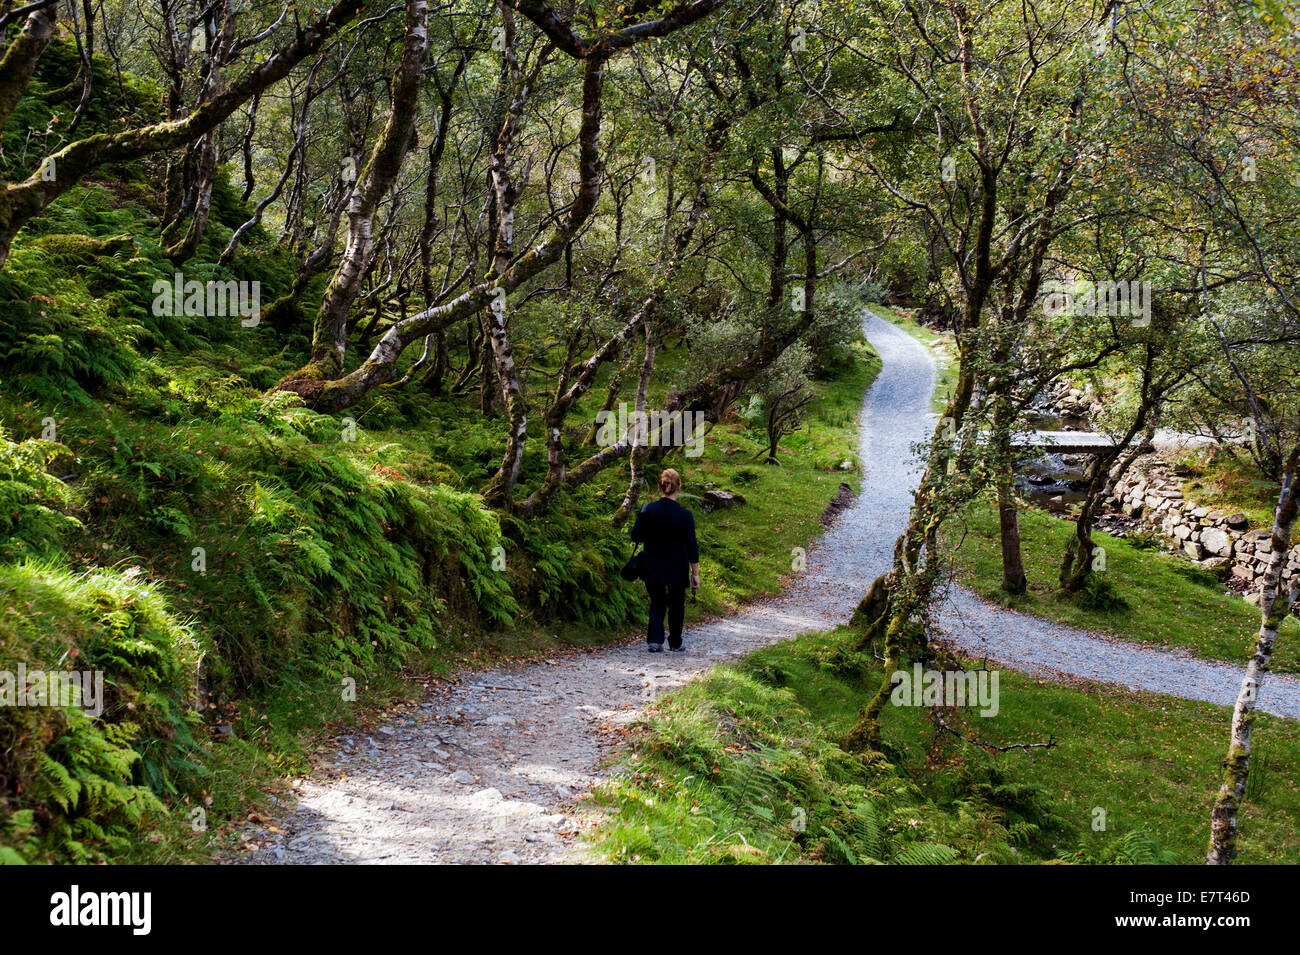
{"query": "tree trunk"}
[(567, 395), (500, 490), (1103, 474), (1273, 609), (330, 332), (20, 56), (640, 434), (435, 343), (1014, 580)]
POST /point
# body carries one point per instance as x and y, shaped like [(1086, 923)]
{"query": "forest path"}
[(486, 770), (481, 771)]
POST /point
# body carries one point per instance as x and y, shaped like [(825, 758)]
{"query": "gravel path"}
[(486, 770), (1037, 646)]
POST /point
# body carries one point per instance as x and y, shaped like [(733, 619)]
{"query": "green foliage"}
[(1135, 847), (317, 557), (574, 570), (1144, 540), (1223, 479), (76, 786), (744, 766), (1100, 594), (37, 127), (839, 325), (32, 502), (60, 339)]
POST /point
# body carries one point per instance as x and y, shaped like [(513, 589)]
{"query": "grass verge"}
[(744, 766)]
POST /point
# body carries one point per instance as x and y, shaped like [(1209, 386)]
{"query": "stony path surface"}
[(1043, 648), (486, 770)]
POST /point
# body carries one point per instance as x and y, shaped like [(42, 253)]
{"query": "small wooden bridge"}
[(1063, 442)]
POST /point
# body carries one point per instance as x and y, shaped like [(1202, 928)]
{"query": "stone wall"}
[(1224, 543), (1072, 401)]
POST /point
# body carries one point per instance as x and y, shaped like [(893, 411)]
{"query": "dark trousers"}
[(673, 601)]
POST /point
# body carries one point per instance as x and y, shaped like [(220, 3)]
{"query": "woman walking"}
[(671, 560)]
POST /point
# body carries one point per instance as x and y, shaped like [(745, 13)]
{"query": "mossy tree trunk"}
[(330, 329), (640, 437), (435, 344), (1107, 467), (380, 367), (21, 55), (915, 568), (506, 193), (1014, 578)]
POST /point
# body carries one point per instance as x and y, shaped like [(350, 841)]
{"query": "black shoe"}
[(679, 649), (656, 648)]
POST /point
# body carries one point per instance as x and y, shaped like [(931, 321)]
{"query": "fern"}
[(1134, 847), (925, 853)]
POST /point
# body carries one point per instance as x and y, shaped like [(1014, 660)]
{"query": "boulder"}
[(1243, 572), (1217, 541), (1219, 566), (715, 499), (1238, 522)]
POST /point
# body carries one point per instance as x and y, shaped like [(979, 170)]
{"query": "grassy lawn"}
[(744, 766), (1152, 763), (1170, 601)]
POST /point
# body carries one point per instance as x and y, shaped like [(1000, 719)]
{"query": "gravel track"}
[(488, 769)]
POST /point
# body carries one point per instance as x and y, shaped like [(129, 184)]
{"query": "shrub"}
[(1100, 594)]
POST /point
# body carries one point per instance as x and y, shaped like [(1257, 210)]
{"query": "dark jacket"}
[(668, 532)]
